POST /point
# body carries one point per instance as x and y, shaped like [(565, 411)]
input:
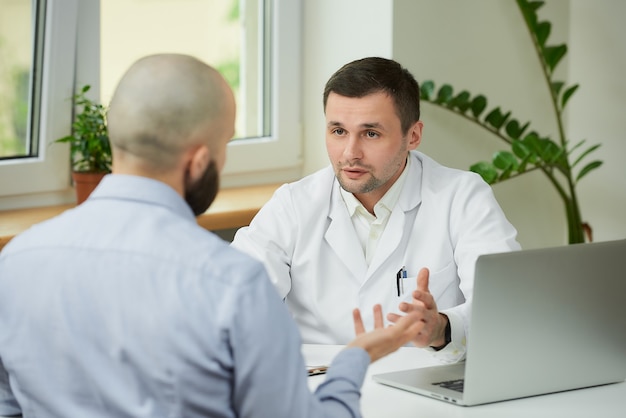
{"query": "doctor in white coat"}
[(362, 230)]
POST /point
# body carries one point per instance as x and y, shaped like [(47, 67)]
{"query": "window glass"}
[(50, 49), (227, 34), (37, 70), (18, 135)]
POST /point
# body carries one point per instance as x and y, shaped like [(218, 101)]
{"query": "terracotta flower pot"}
[(85, 183)]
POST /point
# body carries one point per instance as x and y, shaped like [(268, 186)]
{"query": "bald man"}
[(125, 307)]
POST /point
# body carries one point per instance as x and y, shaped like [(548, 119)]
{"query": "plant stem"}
[(574, 220)]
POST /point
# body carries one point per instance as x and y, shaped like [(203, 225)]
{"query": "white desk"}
[(380, 401)]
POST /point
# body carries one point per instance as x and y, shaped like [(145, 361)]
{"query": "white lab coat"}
[(444, 219)]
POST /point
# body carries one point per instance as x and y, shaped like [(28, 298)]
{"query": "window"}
[(254, 43), (37, 41), (228, 34), (16, 75)]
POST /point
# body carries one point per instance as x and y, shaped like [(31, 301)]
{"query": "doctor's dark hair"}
[(371, 75)]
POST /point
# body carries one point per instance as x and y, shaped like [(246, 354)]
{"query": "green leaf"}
[(427, 90), (478, 105), (535, 5), (522, 165), (65, 139), (550, 150), (546, 149), (514, 130), (486, 170), (529, 8), (542, 32), (505, 174), (556, 87), (553, 54), (461, 101), (558, 158), (568, 93), (444, 94), (496, 118), (576, 146), (531, 142), (504, 160), (591, 166), (584, 154), (520, 149)]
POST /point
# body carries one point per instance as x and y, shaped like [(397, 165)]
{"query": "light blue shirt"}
[(124, 307)]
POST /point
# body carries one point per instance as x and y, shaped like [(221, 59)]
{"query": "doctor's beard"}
[(372, 183), (377, 176)]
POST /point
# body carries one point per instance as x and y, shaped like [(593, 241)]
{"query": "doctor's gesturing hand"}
[(424, 309)]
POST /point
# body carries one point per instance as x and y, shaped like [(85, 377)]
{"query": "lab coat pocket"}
[(438, 281), (441, 279)]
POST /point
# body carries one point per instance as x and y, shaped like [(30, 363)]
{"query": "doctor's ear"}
[(199, 161), (415, 135)]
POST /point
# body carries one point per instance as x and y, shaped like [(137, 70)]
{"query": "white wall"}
[(335, 33), (483, 46), (597, 113)]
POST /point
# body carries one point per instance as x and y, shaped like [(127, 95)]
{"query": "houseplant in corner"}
[(90, 150), (528, 151)]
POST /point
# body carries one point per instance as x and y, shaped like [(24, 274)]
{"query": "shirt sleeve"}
[(8, 403), (268, 361), (478, 226), (456, 349), (270, 238), (343, 381)]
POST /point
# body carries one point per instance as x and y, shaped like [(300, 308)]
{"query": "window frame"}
[(281, 152), (50, 170), (72, 59)]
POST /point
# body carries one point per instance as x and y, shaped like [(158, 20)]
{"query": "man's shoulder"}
[(39, 233), (322, 178), (437, 176), (313, 188), (232, 265)]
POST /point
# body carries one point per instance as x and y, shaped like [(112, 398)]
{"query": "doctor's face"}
[(366, 145)]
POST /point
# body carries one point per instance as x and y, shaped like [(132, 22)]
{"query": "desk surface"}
[(379, 401)]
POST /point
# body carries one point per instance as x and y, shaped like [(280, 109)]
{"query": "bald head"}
[(167, 104)]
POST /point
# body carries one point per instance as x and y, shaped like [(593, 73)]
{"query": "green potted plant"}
[(560, 161), (90, 150)]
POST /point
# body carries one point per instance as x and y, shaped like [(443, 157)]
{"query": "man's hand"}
[(424, 309), (383, 341)]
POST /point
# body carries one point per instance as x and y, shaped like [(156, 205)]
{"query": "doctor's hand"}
[(424, 309), (382, 340)]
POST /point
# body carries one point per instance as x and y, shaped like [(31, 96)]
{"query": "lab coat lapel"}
[(342, 238), (399, 227)]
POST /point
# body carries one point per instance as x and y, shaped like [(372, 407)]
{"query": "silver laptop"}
[(543, 321)]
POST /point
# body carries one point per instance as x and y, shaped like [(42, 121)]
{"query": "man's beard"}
[(370, 184), (200, 194)]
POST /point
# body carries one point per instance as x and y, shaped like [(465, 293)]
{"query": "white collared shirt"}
[(369, 228)]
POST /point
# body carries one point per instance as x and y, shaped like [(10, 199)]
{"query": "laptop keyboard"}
[(456, 384)]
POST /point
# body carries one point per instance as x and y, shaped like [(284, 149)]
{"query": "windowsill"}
[(232, 208)]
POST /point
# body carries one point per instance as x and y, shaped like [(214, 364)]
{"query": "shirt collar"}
[(141, 189), (387, 202)]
